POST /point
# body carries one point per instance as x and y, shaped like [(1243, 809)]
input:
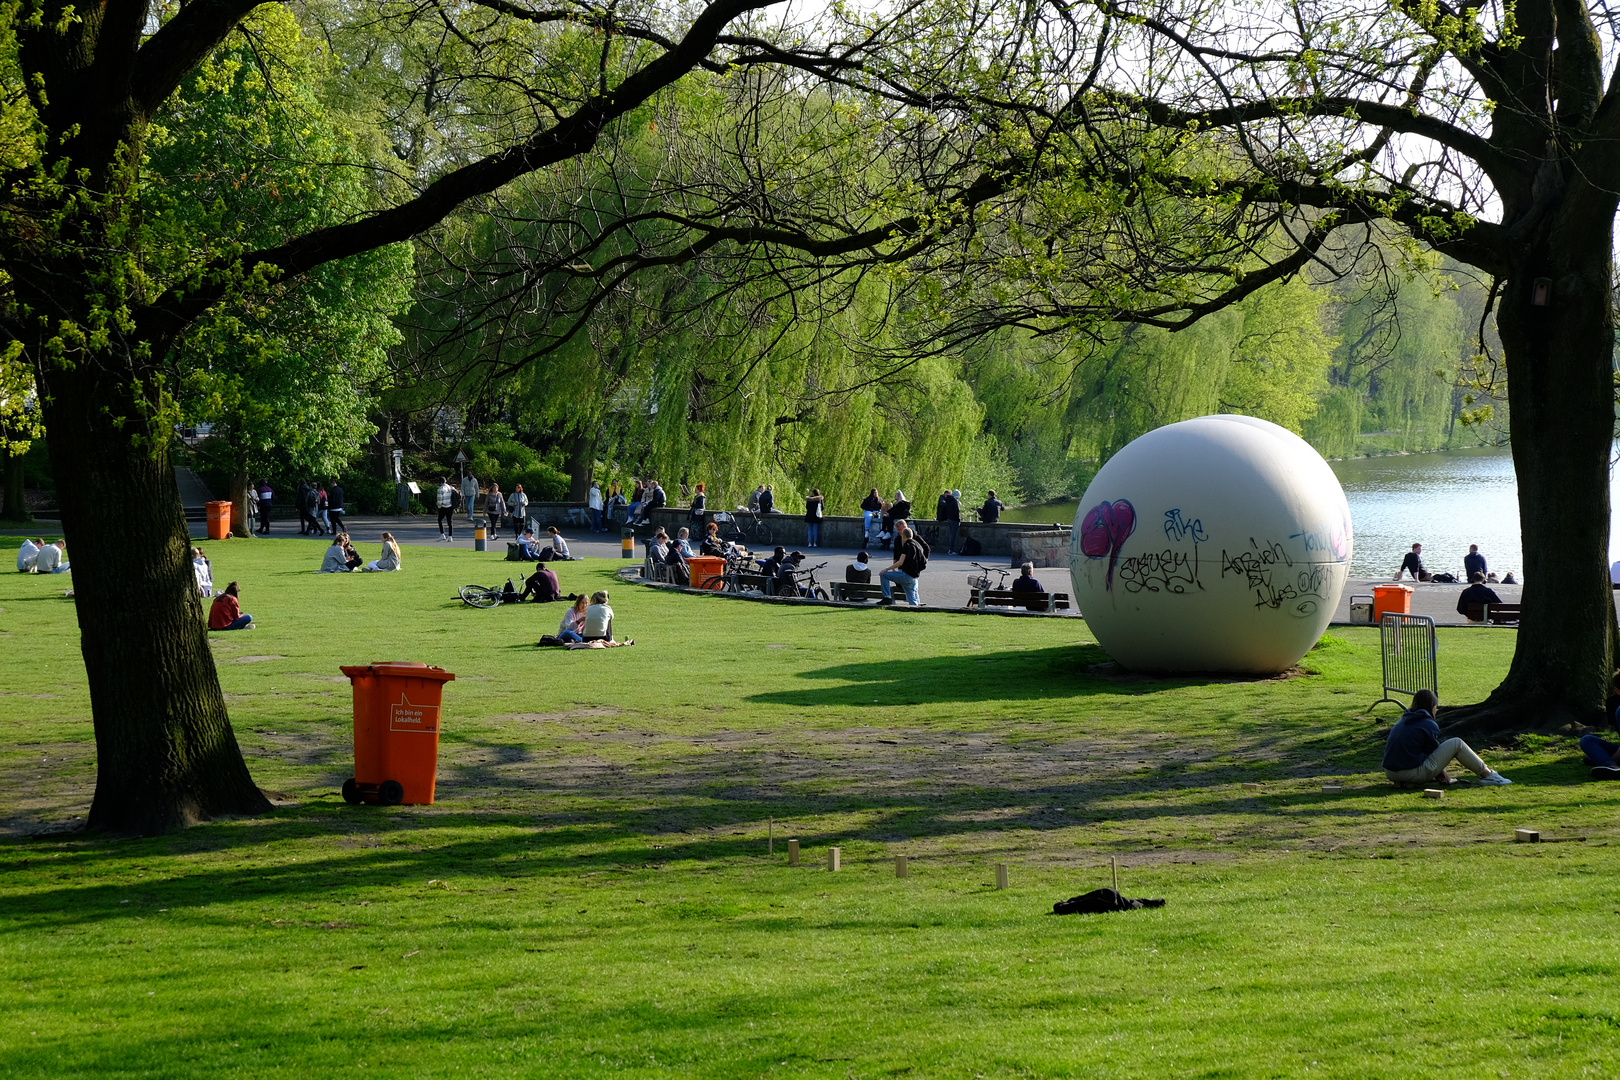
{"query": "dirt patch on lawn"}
[(47, 786)]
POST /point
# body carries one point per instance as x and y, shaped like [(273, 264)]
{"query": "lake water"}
[(1444, 501)]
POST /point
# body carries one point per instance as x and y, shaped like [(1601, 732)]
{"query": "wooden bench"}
[(746, 582), (1032, 601), (853, 592), (1493, 613)]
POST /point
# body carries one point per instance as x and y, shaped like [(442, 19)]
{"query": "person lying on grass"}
[(1600, 752), (1415, 754), (226, 613)]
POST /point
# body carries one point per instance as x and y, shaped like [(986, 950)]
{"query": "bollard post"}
[(901, 869), (627, 541), (480, 542), (834, 858), (1001, 875), (793, 853)]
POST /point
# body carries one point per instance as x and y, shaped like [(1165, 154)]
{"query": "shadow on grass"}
[(1009, 675)]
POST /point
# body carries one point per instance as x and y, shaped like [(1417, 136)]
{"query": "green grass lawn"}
[(592, 893)]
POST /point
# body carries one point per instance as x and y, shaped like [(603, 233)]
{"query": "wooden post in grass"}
[(1526, 836), (1113, 862), (900, 867), (770, 838), (834, 858), (1001, 875), (793, 853)]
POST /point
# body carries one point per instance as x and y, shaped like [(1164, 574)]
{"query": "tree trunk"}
[(1561, 390), (242, 508), (166, 755), (16, 502), (581, 465)]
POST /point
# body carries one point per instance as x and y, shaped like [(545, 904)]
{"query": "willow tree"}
[(97, 291)]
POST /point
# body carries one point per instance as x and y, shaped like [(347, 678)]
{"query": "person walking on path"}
[(334, 507), (447, 510), (813, 507), (494, 507), (322, 506), (911, 559), (1415, 754), (594, 501), (469, 497), (517, 507), (265, 495), (949, 514), (302, 502)]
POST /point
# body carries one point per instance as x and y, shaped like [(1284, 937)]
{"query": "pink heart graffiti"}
[(1104, 529)]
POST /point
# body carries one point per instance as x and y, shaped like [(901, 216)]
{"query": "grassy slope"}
[(591, 894)]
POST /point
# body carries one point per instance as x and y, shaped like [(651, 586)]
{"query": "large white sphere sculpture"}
[(1215, 544)]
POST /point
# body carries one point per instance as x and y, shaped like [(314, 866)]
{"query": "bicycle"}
[(975, 584), (480, 596), (812, 588), (752, 525)]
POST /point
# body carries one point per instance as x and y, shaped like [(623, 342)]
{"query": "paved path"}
[(944, 583)]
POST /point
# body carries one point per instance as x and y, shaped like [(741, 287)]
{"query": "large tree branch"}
[(570, 137), (180, 45)]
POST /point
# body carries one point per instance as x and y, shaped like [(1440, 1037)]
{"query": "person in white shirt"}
[(517, 508), (595, 503), (203, 571), (49, 559), (27, 554), (447, 514), (599, 623)]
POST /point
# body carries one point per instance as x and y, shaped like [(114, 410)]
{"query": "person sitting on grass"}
[(542, 585), (559, 546), (49, 560), (202, 571), (1600, 752), (1027, 582), (27, 553), (390, 556), (529, 547), (859, 572), (1477, 593), (226, 612), (573, 620), (1415, 754), (599, 622), (1412, 562), (337, 556)]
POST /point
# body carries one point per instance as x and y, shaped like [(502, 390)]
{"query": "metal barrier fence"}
[(1408, 647)]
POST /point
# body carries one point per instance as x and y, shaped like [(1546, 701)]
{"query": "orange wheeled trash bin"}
[(219, 520), (1391, 598), (396, 732), (706, 571)]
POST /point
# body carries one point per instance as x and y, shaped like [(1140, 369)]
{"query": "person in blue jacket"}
[(1600, 752), (1415, 753)]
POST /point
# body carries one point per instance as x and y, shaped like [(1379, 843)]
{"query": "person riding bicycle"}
[(787, 583)]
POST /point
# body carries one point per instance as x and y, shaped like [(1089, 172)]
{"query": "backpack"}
[(923, 552), (509, 594), (971, 546)]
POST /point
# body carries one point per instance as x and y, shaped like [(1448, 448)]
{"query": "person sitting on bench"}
[(1477, 593), (1027, 582), (1415, 753), (1413, 562), (786, 581), (712, 544), (542, 586), (859, 572), (1600, 752)]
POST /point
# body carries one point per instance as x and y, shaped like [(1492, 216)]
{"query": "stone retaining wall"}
[(998, 539)]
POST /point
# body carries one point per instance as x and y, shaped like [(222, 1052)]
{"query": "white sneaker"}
[(1495, 779)]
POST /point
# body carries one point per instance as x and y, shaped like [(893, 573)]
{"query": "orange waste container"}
[(706, 571), (396, 732), (219, 520), (1391, 598)]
